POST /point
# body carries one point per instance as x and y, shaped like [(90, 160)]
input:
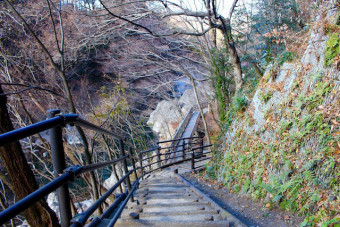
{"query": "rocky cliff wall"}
[(285, 147)]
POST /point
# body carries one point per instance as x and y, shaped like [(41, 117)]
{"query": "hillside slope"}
[(284, 148)]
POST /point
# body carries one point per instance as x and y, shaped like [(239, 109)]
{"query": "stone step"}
[(166, 185), (174, 208), (166, 196), (175, 215), (167, 189), (160, 180), (159, 223), (156, 181), (196, 217), (171, 201), (156, 192), (176, 204), (181, 213)]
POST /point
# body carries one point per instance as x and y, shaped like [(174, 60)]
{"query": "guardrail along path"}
[(164, 198)]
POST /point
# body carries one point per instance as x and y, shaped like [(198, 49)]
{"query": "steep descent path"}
[(166, 199)]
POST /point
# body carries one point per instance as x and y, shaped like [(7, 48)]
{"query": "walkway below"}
[(192, 125), (189, 130)]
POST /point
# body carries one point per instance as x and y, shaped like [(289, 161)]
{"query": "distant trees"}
[(209, 20), (40, 45)]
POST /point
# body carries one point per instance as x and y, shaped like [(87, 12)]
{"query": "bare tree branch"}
[(28, 87), (187, 13), (34, 36)]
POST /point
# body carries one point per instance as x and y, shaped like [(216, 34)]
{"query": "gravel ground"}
[(250, 212)]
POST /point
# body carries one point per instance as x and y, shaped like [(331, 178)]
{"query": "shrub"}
[(332, 49), (240, 103)]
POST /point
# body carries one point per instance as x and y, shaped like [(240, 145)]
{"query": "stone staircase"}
[(172, 201)]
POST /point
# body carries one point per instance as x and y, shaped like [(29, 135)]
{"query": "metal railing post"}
[(159, 156), (183, 149), (201, 150), (141, 164), (133, 163), (125, 169), (193, 160), (58, 158)]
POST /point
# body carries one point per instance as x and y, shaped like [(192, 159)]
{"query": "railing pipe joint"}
[(75, 171)]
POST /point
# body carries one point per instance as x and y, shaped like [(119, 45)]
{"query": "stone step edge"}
[(141, 222), (225, 214), (167, 196), (177, 213), (154, 192), (163, 186), (175, 204)]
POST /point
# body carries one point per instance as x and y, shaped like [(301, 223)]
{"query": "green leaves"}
[(265, 97), (239, 103), (332, 49)]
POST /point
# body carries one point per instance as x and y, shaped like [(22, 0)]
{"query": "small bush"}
[(240, 104), (332, 49), (285, 56), (265, 97)]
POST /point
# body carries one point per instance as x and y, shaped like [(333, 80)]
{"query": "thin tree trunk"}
[(114, 166), (21, 175), (234, 59), (200, 109)]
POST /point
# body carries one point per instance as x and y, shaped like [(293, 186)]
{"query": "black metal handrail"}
[(92, 167), (60, 120), (56, 121), (186, 152), (81, 219), (21, 133), (34, 197), (118, 213)]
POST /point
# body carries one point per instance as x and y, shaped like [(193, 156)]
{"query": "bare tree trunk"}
[(234, 59), (236, 63), (21, 175), (200, 109)]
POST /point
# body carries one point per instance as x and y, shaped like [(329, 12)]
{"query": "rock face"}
[(278, 83), (284, 81), (167, 116), (285, 147)]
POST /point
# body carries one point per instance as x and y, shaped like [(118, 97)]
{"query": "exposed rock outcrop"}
[(167, 116)]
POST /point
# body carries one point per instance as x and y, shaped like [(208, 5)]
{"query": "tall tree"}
[(219, 22), (21, 175)]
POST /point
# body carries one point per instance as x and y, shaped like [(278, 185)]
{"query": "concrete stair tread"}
[(176, 204), (156, 180), (173, 209), (164, 185), (169, 196), (189, 212), (156, 192), (159, 223), (171, 201), (196, 217)]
